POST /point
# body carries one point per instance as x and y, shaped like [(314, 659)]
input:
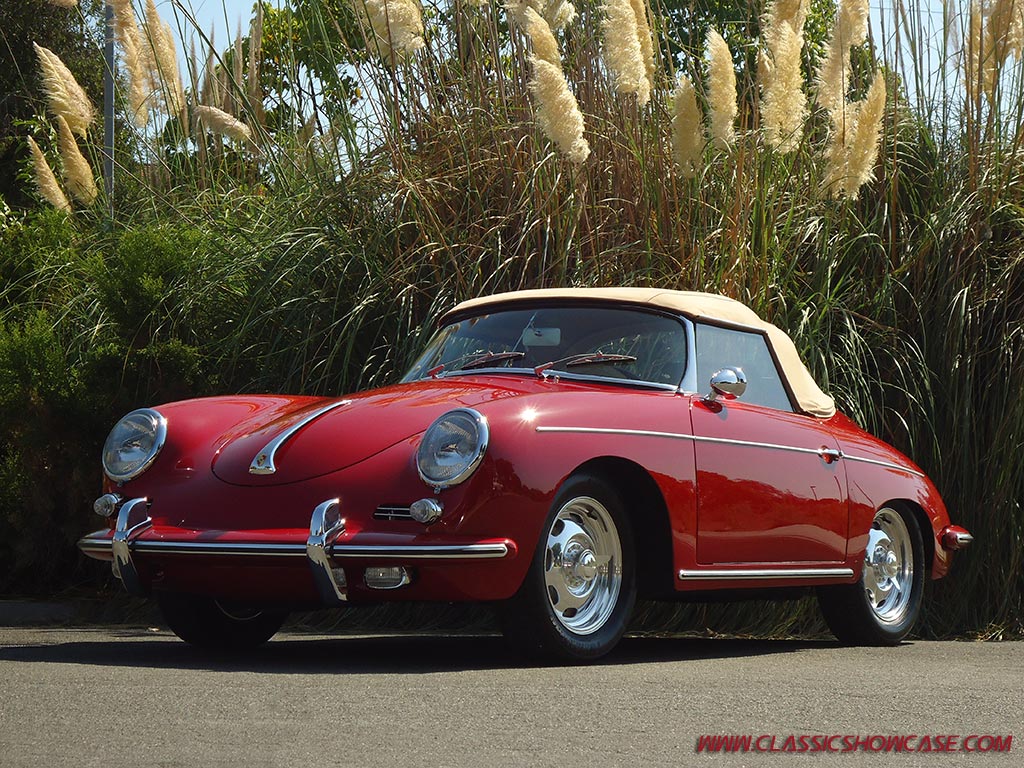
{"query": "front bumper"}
[(326, 547)]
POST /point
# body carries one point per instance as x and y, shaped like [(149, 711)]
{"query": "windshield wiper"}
[(585, 358), (491, 357)]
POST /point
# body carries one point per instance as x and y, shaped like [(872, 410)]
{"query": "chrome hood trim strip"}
[(263, 462)]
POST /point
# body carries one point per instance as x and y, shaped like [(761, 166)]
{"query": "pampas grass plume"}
[(63, 3), (46, 182), (219, 121), (78, 176), (687, 133), (863, 142), (721, 92), (64, 95), (397, 25), (558, 113), (851, 29), (165, 61), (127, 31), (622, 49), (783, 103)]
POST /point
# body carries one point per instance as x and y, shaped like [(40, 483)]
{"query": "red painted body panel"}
[(756, 505)]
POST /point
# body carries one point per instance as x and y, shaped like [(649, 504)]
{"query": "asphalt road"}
[(100, 697)]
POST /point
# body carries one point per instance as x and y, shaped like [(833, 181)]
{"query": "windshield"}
[(594, 341)]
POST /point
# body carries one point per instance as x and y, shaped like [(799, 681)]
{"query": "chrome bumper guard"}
[(132, 519), (324, 527), (320, 550)]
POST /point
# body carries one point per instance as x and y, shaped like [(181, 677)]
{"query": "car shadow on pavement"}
[(296, 653)]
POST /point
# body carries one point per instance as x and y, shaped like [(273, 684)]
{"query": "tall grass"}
[(315, 256)]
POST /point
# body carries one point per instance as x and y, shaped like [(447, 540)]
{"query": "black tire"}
[(587, 515), (217, 625), (883, 606)]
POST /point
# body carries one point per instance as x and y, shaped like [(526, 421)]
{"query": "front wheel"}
[(883, 606), (218, 625), (578, 595)]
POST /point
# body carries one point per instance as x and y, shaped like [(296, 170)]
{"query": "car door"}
[(770, 485)]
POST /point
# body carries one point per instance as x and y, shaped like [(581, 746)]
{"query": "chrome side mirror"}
[(727, 381)]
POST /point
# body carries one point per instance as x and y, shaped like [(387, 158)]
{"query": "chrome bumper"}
[(321, 549)]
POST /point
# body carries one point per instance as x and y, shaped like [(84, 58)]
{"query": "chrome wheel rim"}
[(889, 567), (583, 565)]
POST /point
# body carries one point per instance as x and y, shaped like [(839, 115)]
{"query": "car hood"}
[(327, 435)]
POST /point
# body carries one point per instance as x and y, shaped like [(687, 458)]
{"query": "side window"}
[(719, 347)]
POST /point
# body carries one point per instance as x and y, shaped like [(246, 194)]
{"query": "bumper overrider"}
[(326, 548)]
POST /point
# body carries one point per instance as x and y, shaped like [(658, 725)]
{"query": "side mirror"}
[(727, 381)]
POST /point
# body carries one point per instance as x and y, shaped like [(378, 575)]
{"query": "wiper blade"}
[(491, 357), (585, 358)]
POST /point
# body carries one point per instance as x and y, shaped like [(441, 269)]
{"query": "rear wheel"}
[(883, 606), (578, 595), (217, 624)]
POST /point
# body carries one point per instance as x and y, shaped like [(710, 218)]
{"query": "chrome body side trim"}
[(832, 454), (263, 462), (132, 520), (325, 526), (886, 464), (766, 574)]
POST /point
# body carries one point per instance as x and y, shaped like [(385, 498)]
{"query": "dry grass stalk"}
[(833, 75), (783, 103), (622, 50), (78, 176), (65, 97), (687, 133), (721, 92), (397, 26), (136, 61), (558, 113), (254, 90), (219, 121), (46, 182)]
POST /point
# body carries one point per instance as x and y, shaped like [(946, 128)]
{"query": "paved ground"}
[(101, 697)]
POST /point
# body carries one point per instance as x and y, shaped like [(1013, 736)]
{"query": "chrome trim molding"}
[(766, 574), (89, 544), (325, 526), (263, 462), (886, 464), (683, 436), (132, 520), (422, 552)]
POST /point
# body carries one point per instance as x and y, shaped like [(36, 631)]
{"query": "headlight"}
[(452, 447), (133, 444)]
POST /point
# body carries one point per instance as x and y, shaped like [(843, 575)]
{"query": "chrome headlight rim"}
[(160, 437), (483, 440)]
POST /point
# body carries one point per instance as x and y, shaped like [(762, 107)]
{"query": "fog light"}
[(339, 577), (107, 505), (426, 511), (386, 577)]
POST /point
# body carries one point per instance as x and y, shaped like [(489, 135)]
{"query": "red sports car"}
[(558, 452)]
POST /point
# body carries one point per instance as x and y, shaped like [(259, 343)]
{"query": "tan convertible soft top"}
[(810, 398)]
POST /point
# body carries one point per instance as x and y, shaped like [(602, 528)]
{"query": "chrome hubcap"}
[(583, 565), (889, 567)]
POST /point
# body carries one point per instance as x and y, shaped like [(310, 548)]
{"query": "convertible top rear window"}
[(616, 343)]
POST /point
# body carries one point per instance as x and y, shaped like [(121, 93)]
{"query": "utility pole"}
[(108, 106)]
